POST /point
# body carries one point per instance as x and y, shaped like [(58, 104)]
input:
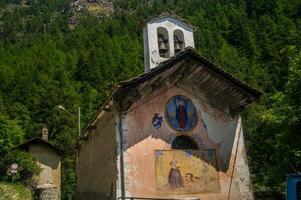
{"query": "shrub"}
[(27, 167)]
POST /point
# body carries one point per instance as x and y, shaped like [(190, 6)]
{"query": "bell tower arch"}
[(179, 42), (164, 36), (163, 42)]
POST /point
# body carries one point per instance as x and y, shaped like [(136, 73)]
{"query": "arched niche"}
[(179, 42), (184, 142), (163, 43)]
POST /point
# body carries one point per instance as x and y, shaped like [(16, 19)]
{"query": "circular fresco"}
[(181, 114)]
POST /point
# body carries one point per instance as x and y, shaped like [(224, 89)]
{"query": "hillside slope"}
[(14, 192)]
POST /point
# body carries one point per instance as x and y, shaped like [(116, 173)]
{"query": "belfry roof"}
[(169, 14)]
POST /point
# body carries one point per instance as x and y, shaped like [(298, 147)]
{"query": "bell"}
[(162, 45), (178, 45)]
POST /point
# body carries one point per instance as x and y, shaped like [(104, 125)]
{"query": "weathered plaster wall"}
[(50, 164), (241, 187), (96, 169), (214, 129)]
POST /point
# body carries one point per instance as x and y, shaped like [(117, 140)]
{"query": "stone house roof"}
[(37, 140)]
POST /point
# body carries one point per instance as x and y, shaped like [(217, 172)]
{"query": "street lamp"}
[(61, 107), (79, 133), (70, 113)]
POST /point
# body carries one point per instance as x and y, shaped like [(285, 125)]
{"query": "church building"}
[(174, 132)]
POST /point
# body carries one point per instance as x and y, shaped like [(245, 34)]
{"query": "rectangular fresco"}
[(186, 171)]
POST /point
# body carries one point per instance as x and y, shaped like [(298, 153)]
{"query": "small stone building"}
[(174, 132), (49, 160)]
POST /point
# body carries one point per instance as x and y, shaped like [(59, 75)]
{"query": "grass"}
[(10, 191), (98, 9)]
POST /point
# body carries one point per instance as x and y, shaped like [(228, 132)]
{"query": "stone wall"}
[(51, 193)]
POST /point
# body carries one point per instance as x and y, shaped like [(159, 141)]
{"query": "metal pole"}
[(76, 156), (121, 156), (235, 157)]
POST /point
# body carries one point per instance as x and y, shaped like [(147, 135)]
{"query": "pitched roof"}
[(190, 55), (37, 140), (190, 51), (169, 14), (239, 92)]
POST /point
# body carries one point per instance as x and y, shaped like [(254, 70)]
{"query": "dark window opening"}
[(178, 41), (163, 44), (184, 142)]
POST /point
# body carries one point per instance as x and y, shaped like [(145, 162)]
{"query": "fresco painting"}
[(157, 120), (181, 114), (186, 171)]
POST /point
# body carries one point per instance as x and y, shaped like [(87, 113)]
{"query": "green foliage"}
[(9, 191), (274, 131), (10, 134), (27, 167), (68, 177), (43, 64)]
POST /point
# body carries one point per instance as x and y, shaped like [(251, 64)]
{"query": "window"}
[(184, 142)]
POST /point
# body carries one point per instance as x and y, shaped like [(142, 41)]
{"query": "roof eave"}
[(37, 140), (168, 63)]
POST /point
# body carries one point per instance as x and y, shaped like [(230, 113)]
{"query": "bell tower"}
[(164, 36)]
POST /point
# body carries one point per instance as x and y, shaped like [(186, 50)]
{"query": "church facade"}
[(173, 132)]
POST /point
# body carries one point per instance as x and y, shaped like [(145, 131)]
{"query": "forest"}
[(44, 63)]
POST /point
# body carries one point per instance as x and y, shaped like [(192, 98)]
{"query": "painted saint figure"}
[(174, 177), (181, 114)]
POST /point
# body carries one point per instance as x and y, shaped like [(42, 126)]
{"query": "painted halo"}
[(180, 113)]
